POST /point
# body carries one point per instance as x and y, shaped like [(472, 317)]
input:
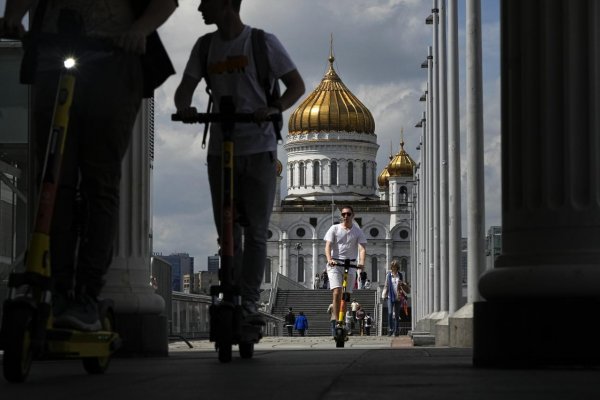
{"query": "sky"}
[(379, 46)]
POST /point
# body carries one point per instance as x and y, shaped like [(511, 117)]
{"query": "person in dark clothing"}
[(290, 320), (111, 82)]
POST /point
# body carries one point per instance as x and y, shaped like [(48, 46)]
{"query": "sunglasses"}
[(346, 214)]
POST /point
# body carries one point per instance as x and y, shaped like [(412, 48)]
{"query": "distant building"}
[(187, 283), (181, 264), (493, 246), (203, 280), (213, 263)]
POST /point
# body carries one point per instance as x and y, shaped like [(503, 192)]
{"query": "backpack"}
[(261, 62)]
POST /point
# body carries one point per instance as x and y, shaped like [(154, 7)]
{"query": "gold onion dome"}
[(331, 107), (401, 164), (383, 180)]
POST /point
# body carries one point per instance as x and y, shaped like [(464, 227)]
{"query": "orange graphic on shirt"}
[(233, 64)]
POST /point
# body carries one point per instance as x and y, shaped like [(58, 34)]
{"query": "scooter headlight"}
[(69, 62)]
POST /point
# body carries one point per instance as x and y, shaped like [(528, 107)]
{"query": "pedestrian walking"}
[(290, 320), (368, 324), (301, 324)]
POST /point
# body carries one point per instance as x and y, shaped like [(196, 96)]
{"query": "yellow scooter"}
[(27, 323), (341, 331)]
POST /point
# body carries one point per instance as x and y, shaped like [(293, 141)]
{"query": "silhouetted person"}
[(231, 72), (112, 79)]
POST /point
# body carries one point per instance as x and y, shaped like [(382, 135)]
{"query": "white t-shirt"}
[(232, 72), (344, 243)]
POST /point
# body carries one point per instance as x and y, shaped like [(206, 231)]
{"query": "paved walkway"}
[(304, 343), (305, 369)]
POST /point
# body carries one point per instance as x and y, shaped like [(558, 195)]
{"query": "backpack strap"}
[(261, 62), (205, 42)]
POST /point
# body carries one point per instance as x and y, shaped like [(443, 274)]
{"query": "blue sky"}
[(379, 46)]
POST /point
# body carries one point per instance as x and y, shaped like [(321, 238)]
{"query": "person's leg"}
[(397, 318), (390, 306), (103, 131), (254, 198), (103, 140), (335, 282)]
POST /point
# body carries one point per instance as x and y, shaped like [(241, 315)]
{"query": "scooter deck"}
[(67, 343)]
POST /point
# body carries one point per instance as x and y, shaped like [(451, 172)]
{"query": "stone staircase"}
[(314, 304)]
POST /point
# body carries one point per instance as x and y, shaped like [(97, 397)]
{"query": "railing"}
[(190, 317)]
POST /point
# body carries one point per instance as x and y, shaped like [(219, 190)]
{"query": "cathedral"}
[(331, 151)]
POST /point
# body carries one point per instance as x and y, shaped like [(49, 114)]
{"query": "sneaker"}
[(251, 314), (81, 314)]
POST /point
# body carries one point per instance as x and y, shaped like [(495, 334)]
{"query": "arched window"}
[(316, 173), (350, 173), (333, 173), (403, 194), (291, 175), (374, 270), (300, 269), (268, 271), (372, 176), (301, 183), (364, 174)]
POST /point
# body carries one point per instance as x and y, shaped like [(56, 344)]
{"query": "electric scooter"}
[(341, 332), (226, 320), (27, 322)]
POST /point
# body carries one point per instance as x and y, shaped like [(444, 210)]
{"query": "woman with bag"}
[(392, 292)]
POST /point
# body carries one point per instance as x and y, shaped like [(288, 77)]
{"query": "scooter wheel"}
[(225, 333), (18, 350), (339, 337), (246, 350), (98, 365)]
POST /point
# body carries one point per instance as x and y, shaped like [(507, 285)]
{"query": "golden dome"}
[(331, 107), (383, 180), (401, 164)]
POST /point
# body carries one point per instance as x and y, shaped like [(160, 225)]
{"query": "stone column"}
[(549, 269), (286, 258), (315, 258), (137, 306)]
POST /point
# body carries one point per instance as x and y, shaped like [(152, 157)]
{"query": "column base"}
[(535, 332), (142, 335)]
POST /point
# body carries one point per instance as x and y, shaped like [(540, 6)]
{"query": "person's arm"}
[(185, 92), (294, 88), (11, 25), (328, 252), (362, 253), (155, 14)]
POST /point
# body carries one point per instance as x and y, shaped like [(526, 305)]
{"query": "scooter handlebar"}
[(345, 263), (203, 118)]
